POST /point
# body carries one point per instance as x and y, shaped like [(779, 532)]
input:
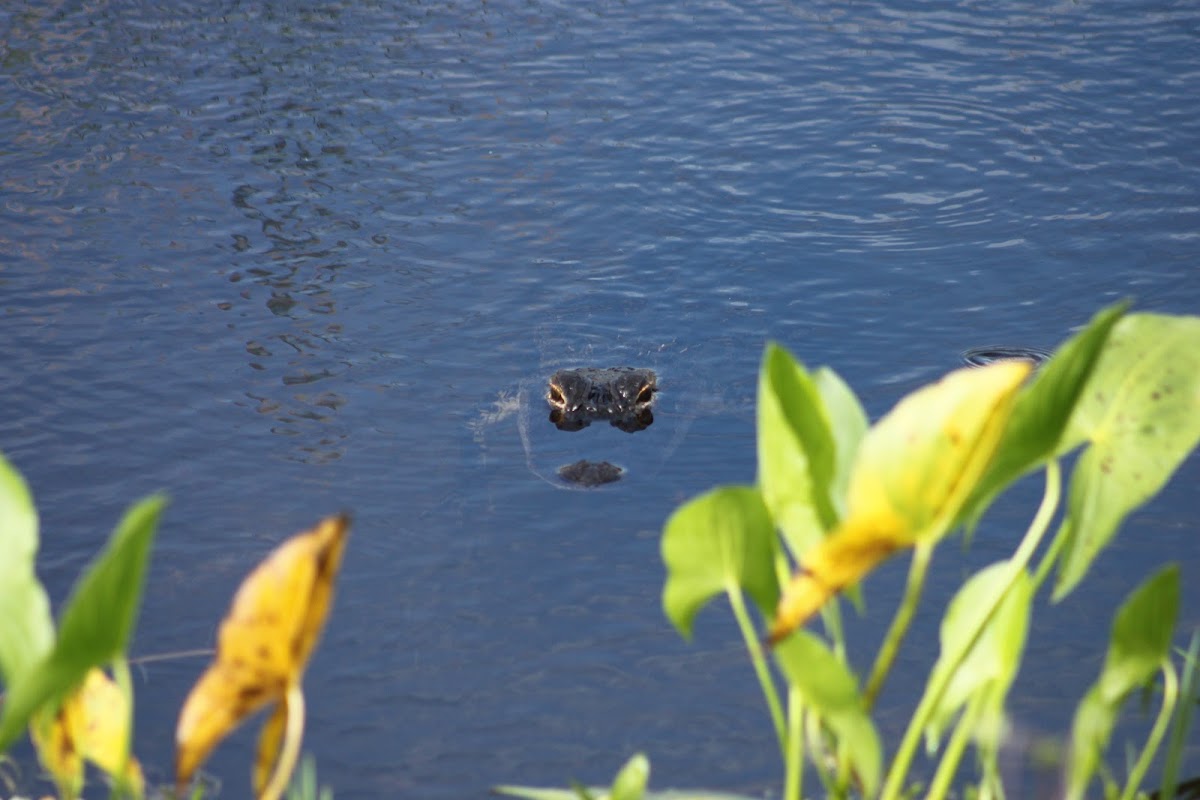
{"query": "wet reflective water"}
[(286, 259)]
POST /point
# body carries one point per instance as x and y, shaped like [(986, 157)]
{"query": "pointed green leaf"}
[(26, 628), (630, 783), (1141, 415), (992, 661), (848, 423), (1036, 429), (1140, 643), (717, 542), (97, 623), (830, 690), (796, 451), (1141, 635)]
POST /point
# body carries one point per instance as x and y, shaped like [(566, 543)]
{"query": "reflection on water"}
[(282, 260)]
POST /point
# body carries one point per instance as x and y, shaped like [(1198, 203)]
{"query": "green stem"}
[(1181, 721), (754, 647), (1170, 694), (290, 751), (955, 749), (794, 758), (121, 784), (940, 679), (899, 627)]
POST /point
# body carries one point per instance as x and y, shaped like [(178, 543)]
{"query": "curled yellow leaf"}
[(91, 724), (913, 472), (263, 645)]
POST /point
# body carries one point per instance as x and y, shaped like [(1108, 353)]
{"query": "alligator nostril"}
[(556, 396), (645, 394)]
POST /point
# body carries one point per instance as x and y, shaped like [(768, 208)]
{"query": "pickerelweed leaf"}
[(914, 471), (1139, 644), (97, 622), (1140, 414), (262, 650), (848, 424), (796, 451), (1036, 429), (720, 541), (26, 627), (992, 661), (91, 724), (630, 783), (830, 690)]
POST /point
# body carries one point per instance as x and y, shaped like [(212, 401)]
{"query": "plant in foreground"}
[(57, 687), (836, 497)]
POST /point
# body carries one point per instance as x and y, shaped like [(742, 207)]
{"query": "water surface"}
[(279, 260)]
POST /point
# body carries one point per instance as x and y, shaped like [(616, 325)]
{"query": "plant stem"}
[(941, 678), (1170, 694), (955, 748), (121, 784), (794, 757), (899, 627), (290, 750), (754, 648), (1182, 719)]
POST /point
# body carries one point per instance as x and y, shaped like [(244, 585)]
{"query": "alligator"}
[(621, 396)]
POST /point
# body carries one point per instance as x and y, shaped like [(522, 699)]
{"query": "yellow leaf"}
[(92, 724), (914, 471), (921, 462), (264, 642)]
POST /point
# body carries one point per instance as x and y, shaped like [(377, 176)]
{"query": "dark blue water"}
[(282, 259)]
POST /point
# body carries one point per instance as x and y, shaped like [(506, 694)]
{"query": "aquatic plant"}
[(57, 685), (836, 497)]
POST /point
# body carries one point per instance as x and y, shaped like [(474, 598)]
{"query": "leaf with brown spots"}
[(91, 724), (262, 650), (1140, 415), (914, 471)]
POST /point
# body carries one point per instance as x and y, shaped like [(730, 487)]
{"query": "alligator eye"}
[(556, 396), (645, 393)]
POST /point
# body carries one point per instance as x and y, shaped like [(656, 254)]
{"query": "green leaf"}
[(717, 542), (630, 783), (992, 662), (26, 627), (831, 691), (1141, 414), (848, 423), (1035, 430), (1140, 643), (97, 623), (796, 451)]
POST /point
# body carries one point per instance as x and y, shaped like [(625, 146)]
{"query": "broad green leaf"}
[(796, 451), (993, 659), (630, 783), (1140, 643), (96, 624), (830, 690), (848, 423), (1141, 635), (720, 541), (914, 470), (1041, 411), (1141, 415), (26, 627)]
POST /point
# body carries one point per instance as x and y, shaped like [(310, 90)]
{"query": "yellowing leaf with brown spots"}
[(914, 471), (92, 724), (264, 643)]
